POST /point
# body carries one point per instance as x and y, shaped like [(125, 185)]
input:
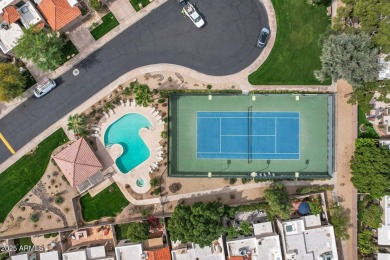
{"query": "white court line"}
[(276, 127), (247, 135), (242, 153)]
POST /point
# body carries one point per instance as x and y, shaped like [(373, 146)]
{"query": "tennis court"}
[(273, 135), (248, 135)]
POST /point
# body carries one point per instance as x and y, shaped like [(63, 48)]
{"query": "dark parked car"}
[(262, 41)]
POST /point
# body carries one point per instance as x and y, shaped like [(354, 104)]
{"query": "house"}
[(305, 238), (151, 249), (60, 14), (87, 253), (384, 142), (191, 251), (79, 164), (52, 255), (15, 17), (384, 229), (25, 256), (265, 244), (383, 256), (128, 250)]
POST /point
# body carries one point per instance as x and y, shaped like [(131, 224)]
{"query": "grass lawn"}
[(109, 23), (370, 131), (21, 177), (121, 231), (296, 53), (108, 203), (69, 50), (135, 3), (22, 242)]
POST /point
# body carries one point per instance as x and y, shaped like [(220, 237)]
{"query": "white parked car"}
[(43, 87), (190, 11)]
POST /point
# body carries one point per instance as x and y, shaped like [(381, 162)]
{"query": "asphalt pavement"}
[(226, 45)]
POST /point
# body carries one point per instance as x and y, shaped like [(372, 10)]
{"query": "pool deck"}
[(150, 137)]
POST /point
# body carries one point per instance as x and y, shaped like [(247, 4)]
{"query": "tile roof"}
[(159, 254), (40, 25), (10, 14), (58, 13), (78, 162), (249, 257)]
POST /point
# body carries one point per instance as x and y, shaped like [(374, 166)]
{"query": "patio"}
[(151, 137)]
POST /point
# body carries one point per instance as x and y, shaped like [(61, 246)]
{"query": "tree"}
[(278, 199), (78, 124), (246, 229), (12, 82), (363, 95), (142, 94), (372, 216), (153, 182), (96, 5), (43, 49), (351, 57), (340, 221), (232, 232), (366, 245), (199, 223), (315, 206), (370, 168), (138, 231)]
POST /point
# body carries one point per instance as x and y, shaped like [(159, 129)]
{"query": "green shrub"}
[(246, 180), (232, 181), (47, 235), (96, 5), (35, 217), (251, 207), (59, 200), (156, 191), (164, 134), (153, 182), (166, 92), (161, 100), (209, 86)]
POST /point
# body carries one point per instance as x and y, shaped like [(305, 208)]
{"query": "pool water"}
[(140, 182), (125, 131)]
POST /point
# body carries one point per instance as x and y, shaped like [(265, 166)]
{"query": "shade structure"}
[(304, 208)]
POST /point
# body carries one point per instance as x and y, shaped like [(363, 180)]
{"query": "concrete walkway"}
[(122, 9), (81, 37), (226, 189)]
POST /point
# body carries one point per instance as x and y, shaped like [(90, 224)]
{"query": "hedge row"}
[(164, 93)]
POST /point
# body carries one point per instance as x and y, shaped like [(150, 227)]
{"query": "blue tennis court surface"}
[(248, 135)]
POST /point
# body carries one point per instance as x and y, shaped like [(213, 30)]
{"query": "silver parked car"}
[(262, 41)]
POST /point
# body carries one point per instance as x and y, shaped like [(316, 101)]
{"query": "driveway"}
[(226, 45)]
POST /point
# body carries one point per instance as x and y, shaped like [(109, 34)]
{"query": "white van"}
[(44, 87)]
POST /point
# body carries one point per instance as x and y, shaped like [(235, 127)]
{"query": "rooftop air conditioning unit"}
[(4, 26)]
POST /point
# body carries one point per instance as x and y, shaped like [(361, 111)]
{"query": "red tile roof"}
[(77, 162), (40, 25), (58, 13), (10, 14), (249, 257), (159, 254)]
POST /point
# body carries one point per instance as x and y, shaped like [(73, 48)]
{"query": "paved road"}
[(224, 46)]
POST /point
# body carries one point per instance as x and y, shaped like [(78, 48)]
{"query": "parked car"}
[(190, 11), (44, 87), (263, 37)]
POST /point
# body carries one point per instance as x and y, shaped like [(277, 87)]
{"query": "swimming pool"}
[(125, 131)]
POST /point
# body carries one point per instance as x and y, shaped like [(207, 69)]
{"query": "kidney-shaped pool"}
[(125, 132)]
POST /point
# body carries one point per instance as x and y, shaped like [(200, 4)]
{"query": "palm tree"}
[(78, 124), (142, 94)]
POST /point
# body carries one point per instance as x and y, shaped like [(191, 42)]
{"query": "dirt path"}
[(346, 133)]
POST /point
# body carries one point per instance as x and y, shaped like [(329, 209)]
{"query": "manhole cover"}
[(76, 72)]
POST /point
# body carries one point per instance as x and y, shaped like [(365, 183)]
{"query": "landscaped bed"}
[(296, 53), (369, 131), (135, 3), (108, 203), (109, 23), (21, 177)]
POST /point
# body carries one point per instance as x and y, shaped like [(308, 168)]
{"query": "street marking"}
[(7, 144)]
